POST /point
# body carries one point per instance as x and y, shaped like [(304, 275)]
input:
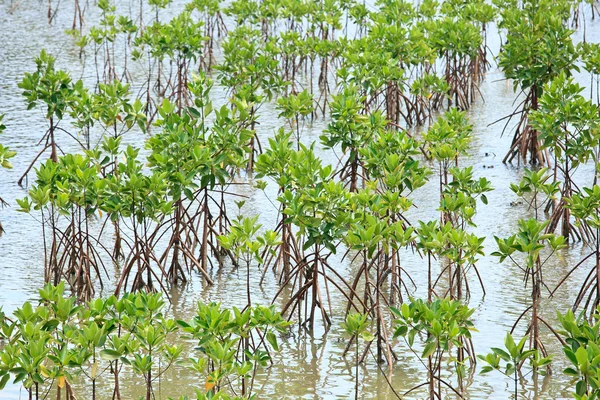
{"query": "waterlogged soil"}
[(310, 364)]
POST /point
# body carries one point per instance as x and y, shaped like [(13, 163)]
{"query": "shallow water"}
[(310, 365)]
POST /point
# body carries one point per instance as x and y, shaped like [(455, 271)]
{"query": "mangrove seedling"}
[(357, 326), (509, 361)]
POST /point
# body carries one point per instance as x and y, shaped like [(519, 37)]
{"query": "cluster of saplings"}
[(162, 214), (49, 343)]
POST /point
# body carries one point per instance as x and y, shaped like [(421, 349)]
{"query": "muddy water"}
[(310, 365)]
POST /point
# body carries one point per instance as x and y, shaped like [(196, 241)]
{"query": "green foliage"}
[(538, 45), (459, 197), (244, 241), (317, 202), (233, 343), (5, 153), (249, 65), (509, 361), (583, 352), (350, 127), (568, 123), (357, 325), (180, 39), (536, 187), (529, 241), (295, 105), (449, 137), (445, 321), (48, 86), (513, 356), (443, 325), (585, 206), (57, 341), (590, 55), (131, 194)]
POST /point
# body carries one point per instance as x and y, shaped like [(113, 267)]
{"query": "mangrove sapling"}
[(443, 326), (461, 252), (582, 348), (326, 19), (291, 60), (245, 13), (65, 352), (446, 140), (513, 356), (82, 111), (180, 152), (111, 30), (378, 78), (138, 200), (538, 47), (430, 241), (569, 125), (53, 88), (149, 352), (128, 29), (243, 240), (357, 326), (37, 352), (199, 163), (275, 163), (316, 207), (29, 352), (530, 241), (481, 13), (90, 339), (230, 143), (351, 128), (294, 107), (214, 26), (180, 41), (121, 344), (104, 38), (398, 48), (458, 205), (590, 56), (458, 43), (233, 344), (68, 195), (139, 337), (379, 229), (111, 108), (378, 241), (460, 195), (390, 159), (537, 188), (99, 326), (5, 155), (152, 331), (48, 345), (250, 71), (360, 15), (429, 93), (115, 112), (585, 207)]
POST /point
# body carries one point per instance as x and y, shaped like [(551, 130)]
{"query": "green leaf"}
[(272, 339), (367, 336), (109, 355), (4, 381), (429, 349)]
